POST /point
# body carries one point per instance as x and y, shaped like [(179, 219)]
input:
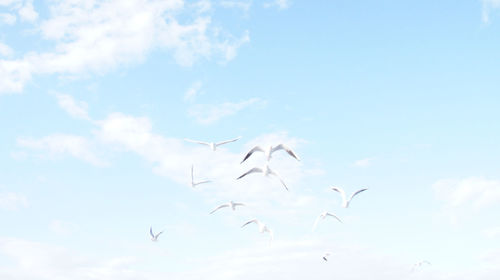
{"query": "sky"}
[(97, 98)]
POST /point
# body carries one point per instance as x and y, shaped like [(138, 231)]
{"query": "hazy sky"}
[(400, 97)]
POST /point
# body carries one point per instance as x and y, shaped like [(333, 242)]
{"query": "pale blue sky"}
[(96, 98)]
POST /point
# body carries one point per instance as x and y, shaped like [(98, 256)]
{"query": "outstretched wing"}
[(332, 215), (253, 170), (151, 231), (354, 194), (197, 142), (192, 176), (201, 182), (316, 222), (238, 204), (278, 176), (158, 234), (288, 150), (222, 206), (342, 193), (253, 150), (227, 141), (251, 221)]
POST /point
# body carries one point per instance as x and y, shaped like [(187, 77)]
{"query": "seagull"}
[(212, 145), (262, 227), (153, 236), (345, 203), (419, 264), (266, 170), (327, 254), (323, 216), (193, 183), (269, 150), (229, 204)]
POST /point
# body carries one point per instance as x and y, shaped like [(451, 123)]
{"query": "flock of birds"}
[(266, 171)]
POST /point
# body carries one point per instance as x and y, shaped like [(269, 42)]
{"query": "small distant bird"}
[(345, 202), (419, 264), (269, 150), (229, 204), (326, 255), (262, 227), (323, 216), (212, 145), (193, 183), (266, 171), (154, 237)]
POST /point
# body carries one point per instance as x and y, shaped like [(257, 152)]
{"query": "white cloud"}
[(193, 91), (27, 12), (489, 5), (98, 36), (473, 191), (493, 232), (210, 113), (77, 109), (64, 144), (12, 201), (5, 50), (243, 5), (363, 162), (9, 19), (62, 227), (280, 4)]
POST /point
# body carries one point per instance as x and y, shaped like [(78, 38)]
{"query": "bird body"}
[(213, 145), (345, 201), (269, 150), (231, 204), (262, 227), (323, 216), (325, 256), (266, 171), (154, 237)]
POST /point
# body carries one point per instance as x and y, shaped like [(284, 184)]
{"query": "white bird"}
[(326, 255), (229, 204), (212, 145), (323, 216), (193, 183), (269, 150), (345, 202), (419, 264), (266, 171), (262, 227), (154, 237)]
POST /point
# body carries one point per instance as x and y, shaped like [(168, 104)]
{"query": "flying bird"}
[(323, 216), (269, 150), (419, 264), (326, 255), (262, 227), (154, 237), (345, 202), (212, 145), (193, 183), (229, 204), (266, 171)]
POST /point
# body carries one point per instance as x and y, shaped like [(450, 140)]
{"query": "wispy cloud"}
[(493, 232), (363, 162), (77, 109), (280, 4), (8, 19), (210, 113), (243, 5), (126, 33), (489, 5), (193, 91), (5, 50), (62, 227), (12, 201), (57, 145), (473, 191)]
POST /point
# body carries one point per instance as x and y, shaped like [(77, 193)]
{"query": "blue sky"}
[(96, 98)]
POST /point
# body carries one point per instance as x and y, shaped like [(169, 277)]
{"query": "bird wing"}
[(158, 234), (151, 231), (288, 150), (192, 176), (198, 142), (227, 141), (278, 176), (316, 222), (342, 193), (251, 221), (254, 149), (361, 190), (255, 169), (221, 206), (239, 204), (332, 215), (201, 182)]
